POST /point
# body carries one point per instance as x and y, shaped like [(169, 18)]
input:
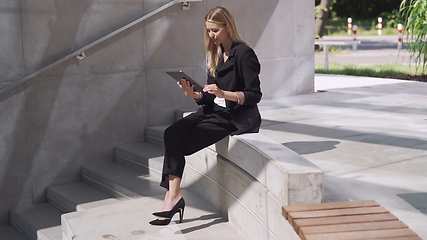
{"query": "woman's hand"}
[(214, 89), (186, 86)]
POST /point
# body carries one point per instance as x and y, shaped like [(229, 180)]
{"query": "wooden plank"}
[(334, 213), (364, 219), (326, 206), (343, 219), (351, 227), (371, 234), (399, 238)]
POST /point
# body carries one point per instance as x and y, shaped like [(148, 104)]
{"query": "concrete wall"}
[(249, 177), (77, 112)]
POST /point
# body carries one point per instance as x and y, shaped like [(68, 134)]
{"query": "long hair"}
[(221, 16)]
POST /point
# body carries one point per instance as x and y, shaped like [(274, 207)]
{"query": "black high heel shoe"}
[(168, 215), (159, 222)]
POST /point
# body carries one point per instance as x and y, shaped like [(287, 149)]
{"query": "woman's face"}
[(218, 33)]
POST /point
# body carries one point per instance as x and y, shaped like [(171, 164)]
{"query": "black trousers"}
[(189, 135)]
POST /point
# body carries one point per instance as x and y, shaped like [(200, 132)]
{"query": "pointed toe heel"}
[(160, 222), (178, 208)]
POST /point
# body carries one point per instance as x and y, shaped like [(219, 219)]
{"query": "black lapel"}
[(230, 62)]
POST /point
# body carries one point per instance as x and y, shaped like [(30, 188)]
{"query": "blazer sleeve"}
[(250, 70), (207, 99)]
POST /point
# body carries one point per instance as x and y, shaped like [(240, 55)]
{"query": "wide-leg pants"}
[(189, 135)]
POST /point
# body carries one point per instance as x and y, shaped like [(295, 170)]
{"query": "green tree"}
[(414, 13), (322, 14), (364, 9)]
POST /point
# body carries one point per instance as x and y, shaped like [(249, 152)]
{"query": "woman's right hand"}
[(188, 89), (186, 86)]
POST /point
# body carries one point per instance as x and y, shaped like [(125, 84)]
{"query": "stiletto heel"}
[(181, 215), (168, 215)]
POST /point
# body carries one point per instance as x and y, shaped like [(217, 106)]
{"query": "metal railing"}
[(79, 53)]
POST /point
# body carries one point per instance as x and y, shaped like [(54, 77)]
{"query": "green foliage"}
[(317, 10), (415, 13), (391, 19), (363, 9), (364, 13)]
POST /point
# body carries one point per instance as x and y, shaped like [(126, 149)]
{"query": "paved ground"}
[(368, 135)]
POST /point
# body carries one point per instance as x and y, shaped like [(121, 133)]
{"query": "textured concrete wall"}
[(77, 112), (11, 59)]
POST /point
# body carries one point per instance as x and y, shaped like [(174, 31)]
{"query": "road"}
[(371, 50)]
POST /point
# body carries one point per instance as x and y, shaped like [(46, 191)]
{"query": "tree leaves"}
[(415, 14)]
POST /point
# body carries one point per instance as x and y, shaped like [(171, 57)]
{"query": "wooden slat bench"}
[(364, 219)]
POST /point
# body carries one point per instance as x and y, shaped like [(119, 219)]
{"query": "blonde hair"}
[(221, 16)]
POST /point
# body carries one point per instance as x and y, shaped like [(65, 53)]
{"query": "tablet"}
[(178, 75)]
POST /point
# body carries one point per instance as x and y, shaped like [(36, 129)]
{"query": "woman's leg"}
[(172, 195), (186, 137), (174, 161), (175, 140)]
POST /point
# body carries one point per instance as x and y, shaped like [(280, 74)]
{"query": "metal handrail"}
[(80, 52)]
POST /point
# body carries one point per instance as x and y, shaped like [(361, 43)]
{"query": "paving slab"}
[(368, 135)]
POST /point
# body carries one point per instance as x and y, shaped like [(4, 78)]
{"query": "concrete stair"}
[(129, 220), (39, 221), (9, 232), (43, 220), (155, 135), (78, 196), (144, 156), (108, 191), (120, 181), (103, 184)]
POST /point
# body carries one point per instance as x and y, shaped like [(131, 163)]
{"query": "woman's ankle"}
[(171, 202)]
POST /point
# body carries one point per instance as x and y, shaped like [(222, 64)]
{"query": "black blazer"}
[(239, 73)]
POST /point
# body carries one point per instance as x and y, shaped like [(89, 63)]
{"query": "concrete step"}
[(154, 134), (7, 232), (120, 181), (143, 156), (180, 113), (39, 221), (130, 220), (77, 196)]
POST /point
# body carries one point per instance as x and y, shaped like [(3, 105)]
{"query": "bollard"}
[(380, 26), (399, 36), (349, 25), (354, 37)]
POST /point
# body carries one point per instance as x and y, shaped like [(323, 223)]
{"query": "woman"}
[(229, 105)]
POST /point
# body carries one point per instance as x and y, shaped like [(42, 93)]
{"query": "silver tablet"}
[(178, 75)]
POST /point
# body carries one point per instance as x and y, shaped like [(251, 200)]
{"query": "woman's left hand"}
[(214, 89)]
